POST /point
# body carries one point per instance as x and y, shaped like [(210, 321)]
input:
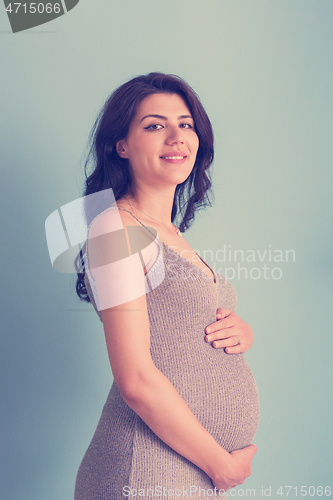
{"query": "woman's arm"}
[(152, 396)]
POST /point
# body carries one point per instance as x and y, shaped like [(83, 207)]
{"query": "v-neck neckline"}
[(214, 281)]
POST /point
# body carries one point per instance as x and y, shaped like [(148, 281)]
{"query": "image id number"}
[(39, 8), (305, 491)]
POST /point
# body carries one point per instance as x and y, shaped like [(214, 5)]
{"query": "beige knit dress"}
[(125, 458)]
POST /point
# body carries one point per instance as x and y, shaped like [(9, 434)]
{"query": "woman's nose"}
[(175, 135)]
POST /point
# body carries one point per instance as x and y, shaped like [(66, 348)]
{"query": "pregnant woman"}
[(183, 409)]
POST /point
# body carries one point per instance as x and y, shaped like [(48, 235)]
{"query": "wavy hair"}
[(109, 170)]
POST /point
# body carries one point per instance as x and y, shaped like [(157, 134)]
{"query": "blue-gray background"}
[(263, 70)]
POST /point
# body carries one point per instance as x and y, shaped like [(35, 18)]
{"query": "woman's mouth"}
[(174, 158)]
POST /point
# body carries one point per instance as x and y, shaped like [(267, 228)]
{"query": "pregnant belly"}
[(221, 391), (229, 407)]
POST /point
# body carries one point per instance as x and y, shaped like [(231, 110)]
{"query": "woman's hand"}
[(230, 332), (237, 469)]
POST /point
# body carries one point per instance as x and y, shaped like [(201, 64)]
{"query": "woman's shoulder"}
[(119, 210), (117, 233), (113, 218)]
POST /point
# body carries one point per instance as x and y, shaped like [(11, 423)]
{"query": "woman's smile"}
[(177, 157)]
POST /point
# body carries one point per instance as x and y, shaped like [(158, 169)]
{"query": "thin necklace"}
[(174, 228)]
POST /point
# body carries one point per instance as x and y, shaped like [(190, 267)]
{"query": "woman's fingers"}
[(228, 342), (227, 322), (237, 349), (222, 313), (230, 332), (238, 469), (233, 339), (232, 344)]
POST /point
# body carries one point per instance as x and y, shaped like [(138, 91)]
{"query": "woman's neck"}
[(156, 204)]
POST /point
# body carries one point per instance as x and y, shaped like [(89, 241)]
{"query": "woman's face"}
[(162, 143)]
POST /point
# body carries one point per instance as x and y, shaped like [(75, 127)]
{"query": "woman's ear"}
[(121, 150)]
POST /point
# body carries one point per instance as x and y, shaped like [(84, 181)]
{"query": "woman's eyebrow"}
[(181, 117)]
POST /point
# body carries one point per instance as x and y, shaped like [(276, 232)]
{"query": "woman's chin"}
[(177, 178)]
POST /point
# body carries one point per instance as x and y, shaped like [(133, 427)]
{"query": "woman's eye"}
[(158, 126), (155, 126)]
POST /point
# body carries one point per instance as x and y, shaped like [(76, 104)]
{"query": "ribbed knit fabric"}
[(125, 458)]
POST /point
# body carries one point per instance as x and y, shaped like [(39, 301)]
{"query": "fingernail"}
[(207, 330), (219, 315)]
